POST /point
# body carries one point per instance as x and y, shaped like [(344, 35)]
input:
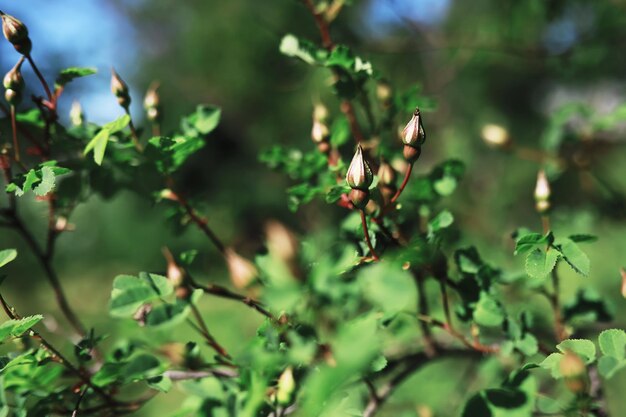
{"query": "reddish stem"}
[(407, 176)]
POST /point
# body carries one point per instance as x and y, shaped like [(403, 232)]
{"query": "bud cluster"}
[(320, 133), (359, 177), (14, 85), (413, 136), (16, 32), (120, 89), (542, 193)]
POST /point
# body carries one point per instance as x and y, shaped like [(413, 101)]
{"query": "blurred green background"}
[(513, 63)]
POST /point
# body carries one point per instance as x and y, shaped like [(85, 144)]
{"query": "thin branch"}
[(367, 236), (223, 292), (405, 181), (430, 346), (211, 341), (133, 132), (80, 399), (41, 79)]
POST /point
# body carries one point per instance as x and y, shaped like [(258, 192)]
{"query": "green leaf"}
[(166, 315), (540, 263), (340, 131), (583, 238), (47, 182), (613, 343), (302, 49), (203, 121), (488, 312), (130, 292), (582, 347), (15, 328), (441, 221), (160, 383), (335, 193), (6, 256), (69, 74), (530, 241), (387, 286), (99, 145), (574, 257), (609, 365), (118, 124)]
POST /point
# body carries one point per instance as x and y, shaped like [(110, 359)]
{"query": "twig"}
[(211, 341), (41, 79), (430, 346), (223, 292), (405, 181), (80, 399), (367, 236), (133, 132)]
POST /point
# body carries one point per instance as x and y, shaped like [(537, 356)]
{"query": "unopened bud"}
[(319, 132), (242, 271), (574, 372), (175, 274), (152, 103), (386, 174), (359, 175), (320, 113), (384, 92), (120, 89), (168, 194), (141, 315), (413, 133), (280, 241), (411, 153), (542, 192), (13, 83), (286, 386), (496, 136), (623, 272), (359, 198), (77, 117), (16, 32)]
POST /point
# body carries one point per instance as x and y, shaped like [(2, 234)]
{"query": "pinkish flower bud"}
[(242, 271), (359, 173), (359, 198), (120, 89), (319, 132), (496, 136), (14, 30), (542, 192), (413, 133), (281, 242), (623, 273), (320, 113), (386, 174)]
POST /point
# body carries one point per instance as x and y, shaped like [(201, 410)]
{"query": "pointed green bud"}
[(413, 133), (16, 32), (77, 116), (120, 89), (359, 173)]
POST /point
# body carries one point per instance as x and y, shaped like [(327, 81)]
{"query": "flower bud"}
[(320, 113), (542, 192), (496, 136), (141, 315), (13, 29), (319, 132), (386, 174), (384, 92), (359, 198), (152, 103), (359, 173), (286, 386), (14, 84), (119, 89), (623, 272), (411, 153), (413, 133), (242, 271), (280, 241), (175, 274), (77, 117)]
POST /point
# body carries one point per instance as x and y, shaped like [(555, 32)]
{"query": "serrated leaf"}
[(574, 257), (528, 242), (540, 263), (203, 121), (15, 328), (6, 256), (130, 292), (613, 343), (582, 347), (551, 363), (47, 182)]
